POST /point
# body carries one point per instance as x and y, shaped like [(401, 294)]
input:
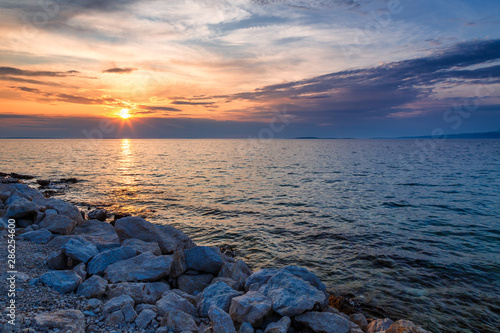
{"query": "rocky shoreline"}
[(78, 272)]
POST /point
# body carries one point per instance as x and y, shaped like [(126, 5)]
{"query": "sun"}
[(124, 113)]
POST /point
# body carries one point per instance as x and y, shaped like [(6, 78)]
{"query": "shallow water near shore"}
[(410, 228)]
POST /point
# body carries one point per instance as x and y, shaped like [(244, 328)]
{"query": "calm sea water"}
[(411, 228)]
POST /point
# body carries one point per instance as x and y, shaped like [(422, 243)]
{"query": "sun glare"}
[(124, 113)]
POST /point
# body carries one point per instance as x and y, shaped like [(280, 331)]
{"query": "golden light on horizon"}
[(124, 113)]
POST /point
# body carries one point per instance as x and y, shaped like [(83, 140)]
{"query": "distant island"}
[(482, 135)]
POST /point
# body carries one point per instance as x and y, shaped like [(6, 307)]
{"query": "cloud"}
[(192, 103), (21, 72), (118, 70), (146, 109)]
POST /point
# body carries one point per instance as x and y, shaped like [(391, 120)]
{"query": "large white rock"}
[(324, 322), (144, 267), (251, 307), (64, 320)]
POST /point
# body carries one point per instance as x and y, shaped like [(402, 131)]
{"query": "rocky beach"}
[(91, 272)]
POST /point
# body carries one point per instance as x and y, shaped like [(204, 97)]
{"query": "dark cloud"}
[(21, 72), (154, 109), (118, 70), (192, 103)]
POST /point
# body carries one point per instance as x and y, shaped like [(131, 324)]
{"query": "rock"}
[(291, 295), (379, 325), (230, 282), (59, 240), (168, 238), (305, 275), (102, 234), (93, 287), (24, 223), (65, 320), (203, 259), (42, 236), (144, 267), (20, 207), (139, 291), (58, 224), (80, 250), (116, 303), (354, 328), (405, 326), (57, 260), (144, 306), (260, 278), (171, 300), (194, 284), (178, 265), (251, 307), (20, 277), (94, 303), (281, 326), (324, 322), (62, 281), (65, 209), (238, 271), (190, 298), (129, 313), (219, 295), (80, 270), (50, 212), (179, 321), (98, 214), (220, 320), (144, 318), (141, 246), (115, 318), (102, 260), (359, 319), (246, 328)]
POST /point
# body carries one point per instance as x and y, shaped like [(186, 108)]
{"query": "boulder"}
[(149, 292), (280, 326), (41, 236), (58, 224), (62, 281), (179, 321), (102, 260), (129, 313), (115, 318), (238, 271), (98, 214), (246, 328), (171, 300), (57, 260), (102, 234), (178, 265), (59, 240), (251, 307), (230, 282), (220, 320), (291, 295), (324, 322), (79, 250), (80, 270), (379, 325), (20, 207), (93, 287), (116, 303), (63, 320), (219, 295), (359, 319), (65, 209), (194, 284), (143, 306), (144, 267), (144, 318), (305, 275), (141, 246), (203, 259), (405, 326), (168, 238), (259, 278)]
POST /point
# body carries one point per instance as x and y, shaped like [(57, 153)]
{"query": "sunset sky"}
[(207, 68)]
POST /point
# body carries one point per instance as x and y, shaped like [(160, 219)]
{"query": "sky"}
[(248, 68)]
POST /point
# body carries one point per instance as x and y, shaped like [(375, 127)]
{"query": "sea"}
[(408, 228)]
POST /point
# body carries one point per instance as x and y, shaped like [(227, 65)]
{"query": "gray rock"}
[(305, 275), (144, 318), (66, 209), (80, 270), (144, 306), (102, 234), (359, 319), (260, 278), (129, 313), (405, 326), (168, 238), (178, 265), (94, 303), (238, 271), (93, 287), (251, 307), (141, 246), (324, 322), (190, 298), (280, 326), (141, 292), (102, 260), (144, 267), (203, 259), (220, 320), (62, 281), (179, 321), (59, 240), (379, 325), (246, 328), (79, 250), (50, 212), (57, 260), (194, 284), (98, 214), (219, 295), (171, 300), (42, 236), (20, 207), (65, 320), (291, 295), (115, 318), (354, 328), (116, 303), (58, 224), (230, 282)]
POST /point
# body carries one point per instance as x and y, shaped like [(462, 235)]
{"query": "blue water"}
[(410, 228)]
